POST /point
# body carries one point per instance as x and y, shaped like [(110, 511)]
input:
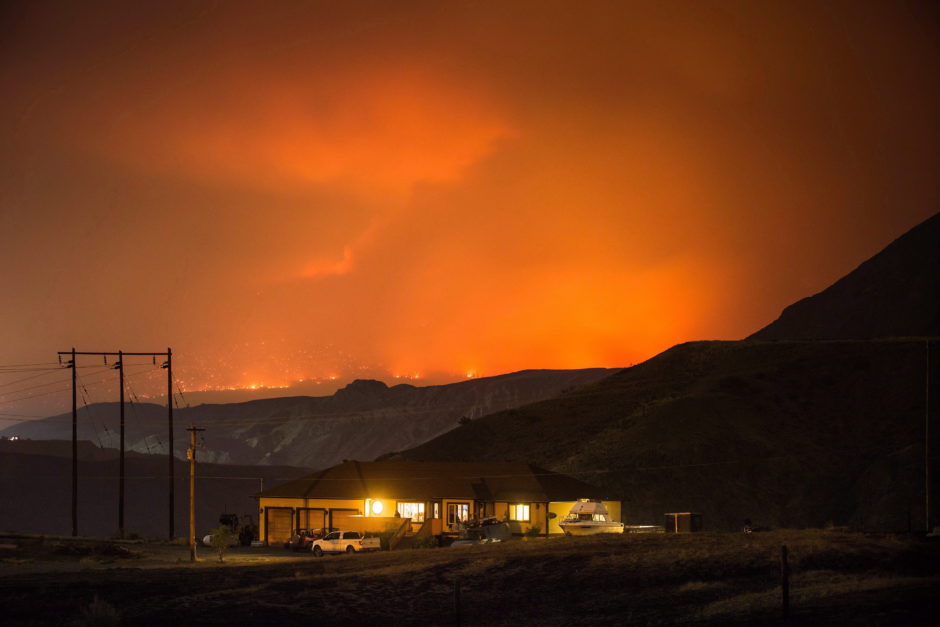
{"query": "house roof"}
[(485, 481)]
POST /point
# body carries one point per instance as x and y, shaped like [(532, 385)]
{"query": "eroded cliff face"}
[(364, 420)]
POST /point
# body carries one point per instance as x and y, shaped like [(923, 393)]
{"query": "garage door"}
[(278, 527), (313, 518)]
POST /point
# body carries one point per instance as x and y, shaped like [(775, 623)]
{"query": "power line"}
[(35, 376), (101, 381), (119, 366)]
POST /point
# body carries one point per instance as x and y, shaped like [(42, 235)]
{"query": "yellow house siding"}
[(560, 509), (537, 517), (615, 510)]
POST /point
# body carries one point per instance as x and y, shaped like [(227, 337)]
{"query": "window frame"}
[(422, 510), (514, 512), (455, 507)]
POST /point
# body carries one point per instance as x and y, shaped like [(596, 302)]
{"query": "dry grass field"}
[(841, 578)]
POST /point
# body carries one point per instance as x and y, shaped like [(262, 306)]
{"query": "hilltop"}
[(896, 293)]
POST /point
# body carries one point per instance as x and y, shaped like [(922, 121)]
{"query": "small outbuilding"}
[(683, 522)]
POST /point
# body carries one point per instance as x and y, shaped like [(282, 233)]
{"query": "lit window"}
[(457, 513), (519, 513), (414, 511)]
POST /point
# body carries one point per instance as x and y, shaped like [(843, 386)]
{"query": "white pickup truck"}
[(344, 542)]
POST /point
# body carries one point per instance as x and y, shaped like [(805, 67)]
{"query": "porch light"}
[(376, 507)]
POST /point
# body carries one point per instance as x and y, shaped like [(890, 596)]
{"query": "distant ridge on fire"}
[(365, 419)]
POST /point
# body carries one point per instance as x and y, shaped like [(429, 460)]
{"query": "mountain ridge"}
[(365, 419)]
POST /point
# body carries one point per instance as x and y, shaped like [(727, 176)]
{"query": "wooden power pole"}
[(74, 449), (119, 366), (168, 364), (192, 491)]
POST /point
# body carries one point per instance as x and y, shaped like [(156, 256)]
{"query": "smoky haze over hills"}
[(361, 421), (786, 433)]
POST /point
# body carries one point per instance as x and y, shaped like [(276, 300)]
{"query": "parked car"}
[(344, 542), (302, 539)]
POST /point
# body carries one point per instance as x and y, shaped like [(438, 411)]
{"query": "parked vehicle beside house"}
[(243, 530), (483, 531), (344, 542), (303, 539)]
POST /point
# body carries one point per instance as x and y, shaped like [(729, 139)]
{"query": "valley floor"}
[(836, 578)]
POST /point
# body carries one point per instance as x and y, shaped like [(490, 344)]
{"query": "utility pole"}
[(192, 492), (74, 449), (119, 366), (168, 364)]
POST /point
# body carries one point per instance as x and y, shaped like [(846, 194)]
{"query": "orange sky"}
[(282, 191)]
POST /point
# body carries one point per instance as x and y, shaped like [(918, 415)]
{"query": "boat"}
[(587, 518)]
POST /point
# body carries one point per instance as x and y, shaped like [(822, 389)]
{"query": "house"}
[(423, 498)]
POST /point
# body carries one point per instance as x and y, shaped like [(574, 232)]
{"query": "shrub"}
[(100, 614), (221, 539)]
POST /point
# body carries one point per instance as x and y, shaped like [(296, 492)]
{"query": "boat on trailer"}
[(588, 517)]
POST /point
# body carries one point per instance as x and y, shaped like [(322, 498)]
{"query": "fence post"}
[(785, 582)]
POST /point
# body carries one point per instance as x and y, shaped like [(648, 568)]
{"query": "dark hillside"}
[(785, 433), (896, 293), (36, 490)]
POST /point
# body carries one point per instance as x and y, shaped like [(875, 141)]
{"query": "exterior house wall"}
[(615, 509), (537, 516)]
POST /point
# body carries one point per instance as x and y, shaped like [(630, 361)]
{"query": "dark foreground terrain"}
[(837, 578)]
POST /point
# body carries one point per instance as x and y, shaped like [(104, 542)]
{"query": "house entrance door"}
[(457, 513)]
